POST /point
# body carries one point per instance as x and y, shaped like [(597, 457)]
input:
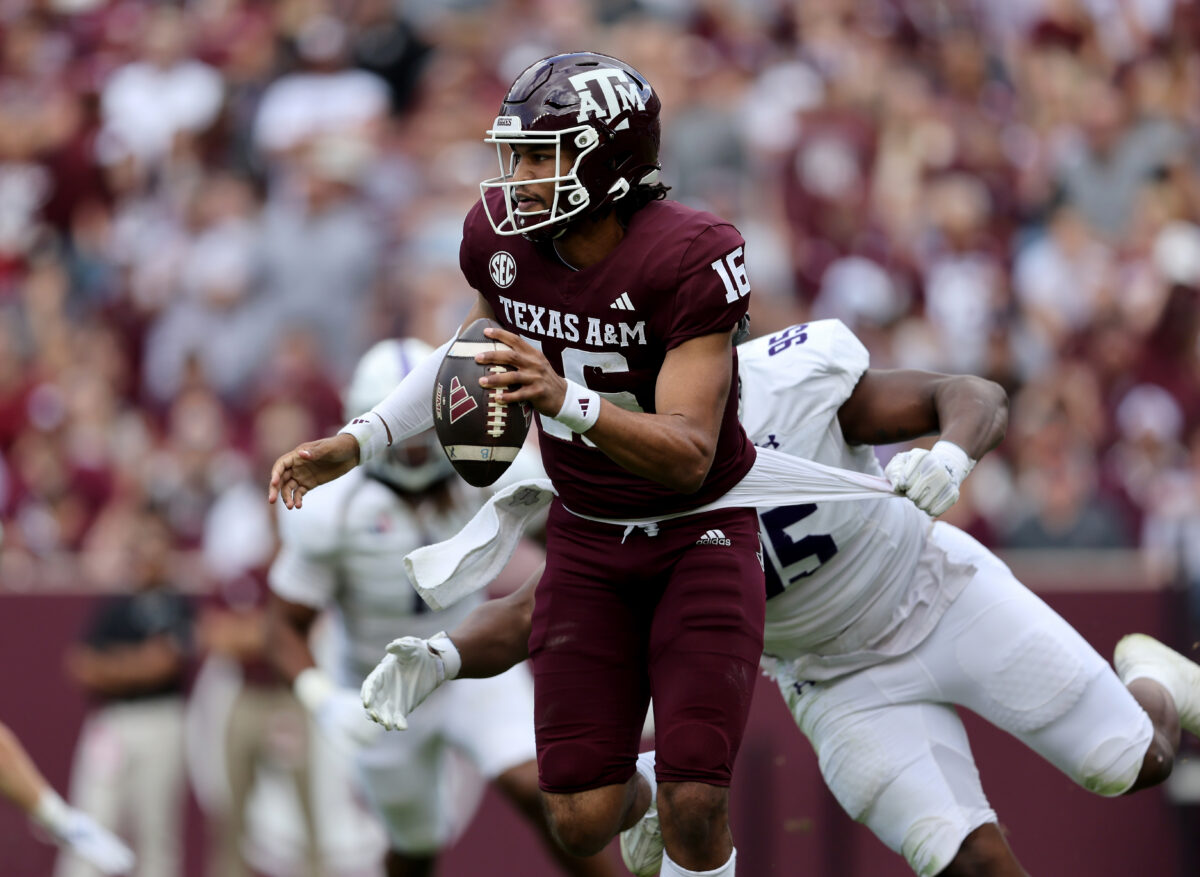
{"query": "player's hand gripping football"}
[(309, 465), (930, 478), (533, 381), (412, 669)]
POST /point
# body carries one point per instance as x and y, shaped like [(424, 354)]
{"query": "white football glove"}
[(337, 711), (412, 669), (930, 478), (74, 830)]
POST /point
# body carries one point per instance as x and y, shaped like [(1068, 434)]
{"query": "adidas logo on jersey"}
[(623, 302), (713, 537)]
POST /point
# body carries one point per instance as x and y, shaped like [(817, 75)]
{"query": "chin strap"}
[(621, 187)]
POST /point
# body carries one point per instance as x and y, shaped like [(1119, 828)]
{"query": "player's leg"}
[(587, 650), (1159, 759), (285, 739), (1003, 653), (519, 785), (1167, 685), (157, 785), (984, 853), (493, 725), (241, 747), (904, 770), (398, 864), (422, 792), (705, 644)]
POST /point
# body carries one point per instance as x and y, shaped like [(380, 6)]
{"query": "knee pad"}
[(576, 766), (693, 752), (1113, 766), (930, 844)]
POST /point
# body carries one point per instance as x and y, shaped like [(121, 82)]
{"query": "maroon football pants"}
[(676, 614)]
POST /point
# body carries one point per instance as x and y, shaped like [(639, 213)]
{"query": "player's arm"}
[(287, 627), (237, 635), (968, 413), (20, 780), (336, 710), (890, 406), (675, 445), (23, 784), (495, 636), (491, 639), (405, 412)]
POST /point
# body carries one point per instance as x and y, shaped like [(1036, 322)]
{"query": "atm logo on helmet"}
[(617, 90)]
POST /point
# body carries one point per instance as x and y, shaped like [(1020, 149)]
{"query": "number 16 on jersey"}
[(732, 270)]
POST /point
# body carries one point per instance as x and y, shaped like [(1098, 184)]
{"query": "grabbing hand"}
[(533, 380), (930, 478), (412, 669), (309, 465)]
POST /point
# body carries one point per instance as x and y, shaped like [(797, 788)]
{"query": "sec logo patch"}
[(503, 269)]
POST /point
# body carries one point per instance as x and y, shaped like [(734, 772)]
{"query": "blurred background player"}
[(241, 713), (344, 551), (880, 620), (129, 764), (23, 784)]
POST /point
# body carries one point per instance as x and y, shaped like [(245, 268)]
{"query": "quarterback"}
[(879, 620), (618, 309)]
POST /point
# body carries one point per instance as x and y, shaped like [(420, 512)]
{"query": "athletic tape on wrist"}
[(371, 434), (444, 648), (955, 458), (580, 408)]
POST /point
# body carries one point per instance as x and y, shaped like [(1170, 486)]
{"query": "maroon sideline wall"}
[(784, 820)]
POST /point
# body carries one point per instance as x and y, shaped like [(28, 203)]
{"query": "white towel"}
[(446, 572)]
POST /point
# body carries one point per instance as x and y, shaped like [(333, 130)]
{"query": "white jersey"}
[(345, 546), (849, 583)]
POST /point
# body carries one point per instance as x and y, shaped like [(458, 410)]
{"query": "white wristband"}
[(444, 648), (953, 458), (580, 409), (312, 687), (371, 433)]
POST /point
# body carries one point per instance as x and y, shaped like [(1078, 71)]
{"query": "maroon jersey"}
[(677, 274)]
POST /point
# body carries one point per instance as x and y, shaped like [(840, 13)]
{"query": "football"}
[(480, 435)]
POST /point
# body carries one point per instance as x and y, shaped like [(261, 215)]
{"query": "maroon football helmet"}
[(592, 105)]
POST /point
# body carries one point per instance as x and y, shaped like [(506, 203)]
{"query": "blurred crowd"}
[(209, 210)]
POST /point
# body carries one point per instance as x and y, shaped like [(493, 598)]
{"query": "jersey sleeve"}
[(713, 291), (301, 578), (466, 249)]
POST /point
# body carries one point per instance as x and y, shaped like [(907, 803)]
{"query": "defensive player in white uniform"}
[(880, 620), (344, 549)]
